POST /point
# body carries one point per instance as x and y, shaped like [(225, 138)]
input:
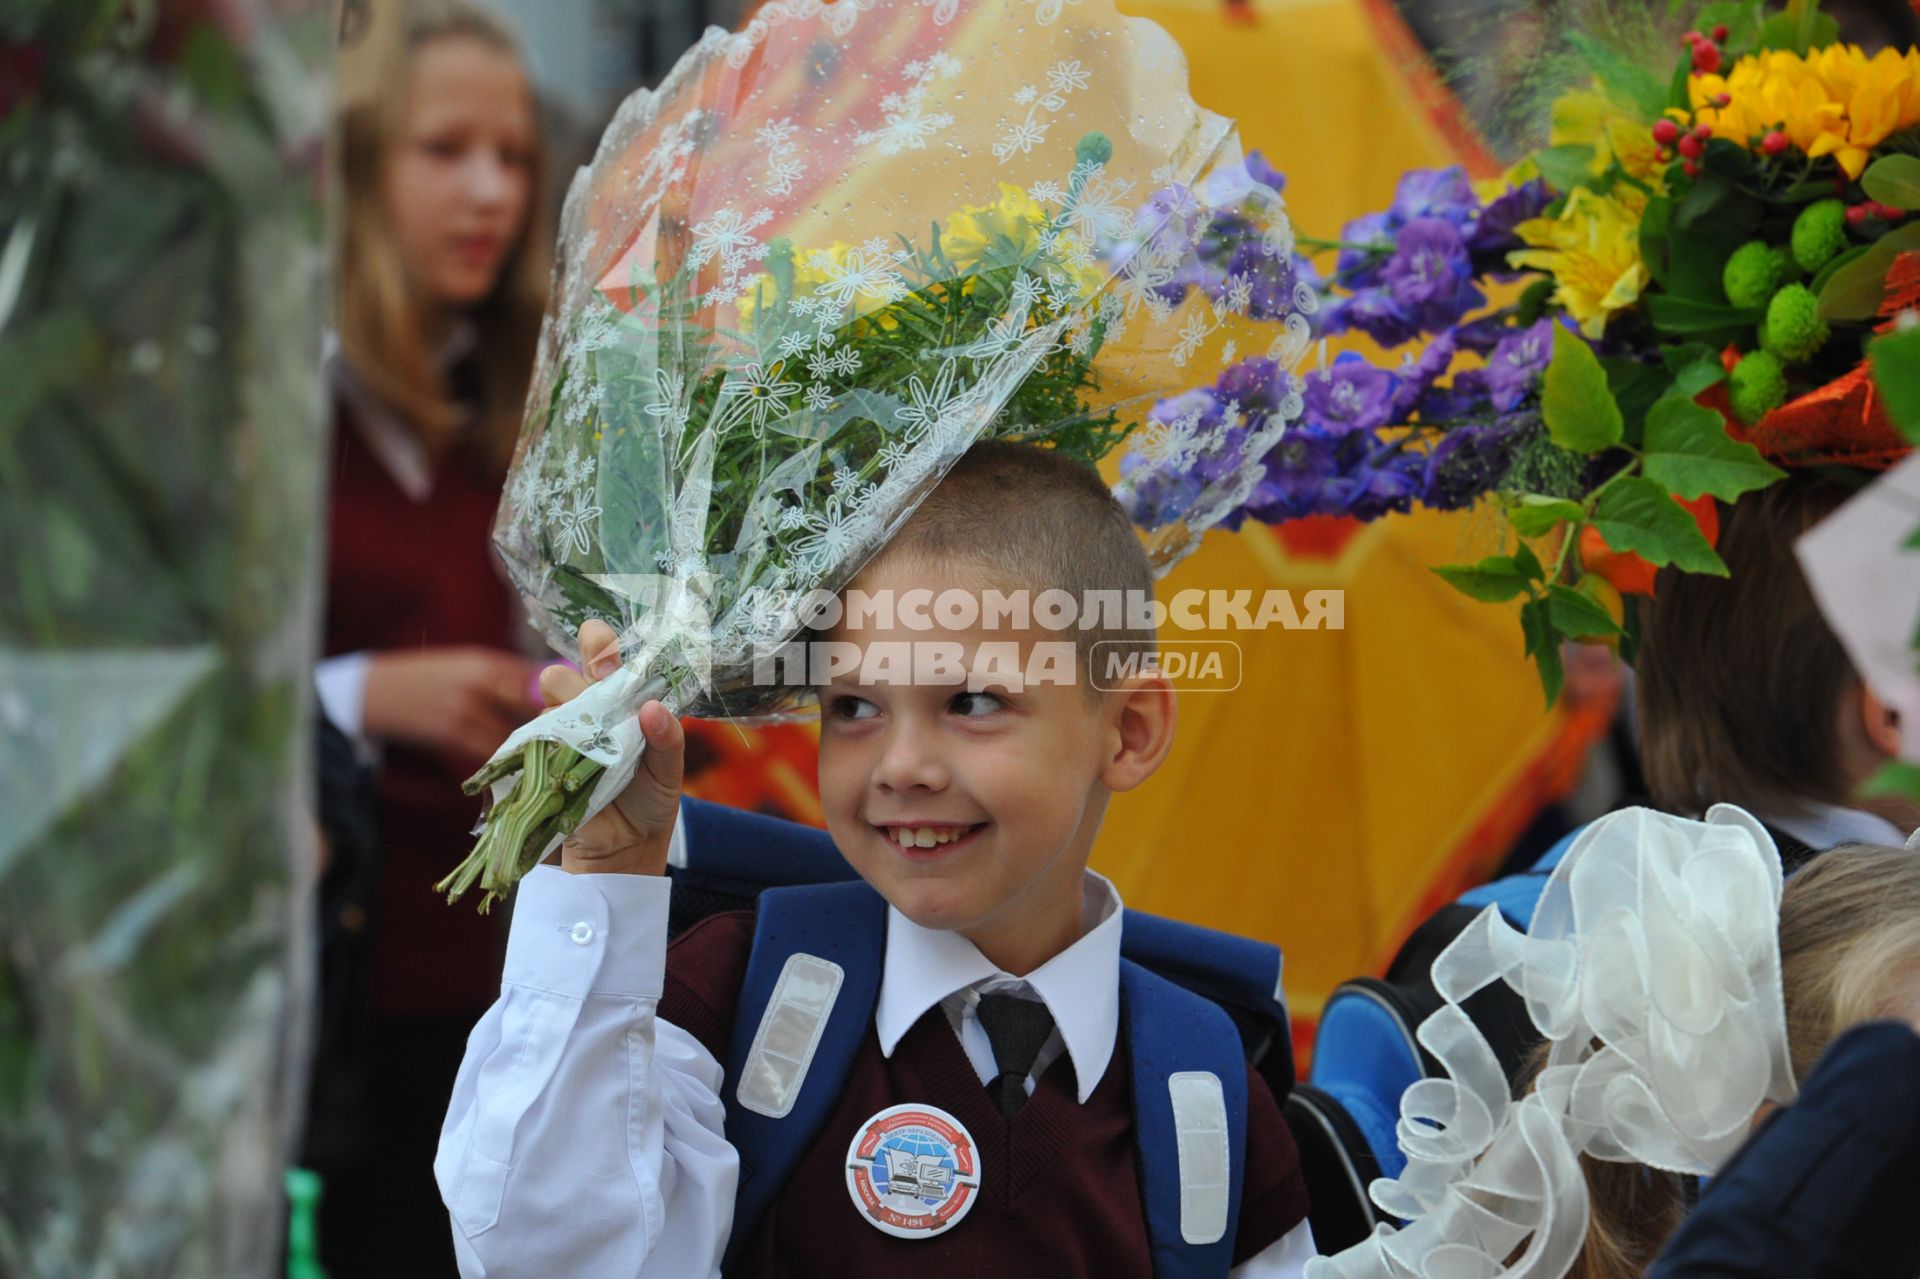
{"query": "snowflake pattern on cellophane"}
[(833, 250)]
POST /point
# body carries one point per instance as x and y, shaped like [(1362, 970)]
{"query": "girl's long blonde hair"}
[(381, 318), (1849, 953)]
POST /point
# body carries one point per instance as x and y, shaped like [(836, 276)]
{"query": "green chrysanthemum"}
[(1757, 386), (1754, 272), (1818, 233), (1794, 327)]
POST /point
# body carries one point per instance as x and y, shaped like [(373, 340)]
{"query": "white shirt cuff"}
[(580, 935), (341, 683)]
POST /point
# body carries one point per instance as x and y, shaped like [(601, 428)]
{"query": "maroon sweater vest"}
[(403, 574), (1059, 1182)]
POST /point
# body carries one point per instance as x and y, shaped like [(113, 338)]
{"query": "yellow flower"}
[(1834, 101), (1592, 251), (1589, 118), (1005, 231)]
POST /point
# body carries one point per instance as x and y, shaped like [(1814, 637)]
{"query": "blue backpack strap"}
[(732, 843), (1190, 1122), (800, 936)]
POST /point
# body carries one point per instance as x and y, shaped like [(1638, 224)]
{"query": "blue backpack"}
[(1193, 1000)]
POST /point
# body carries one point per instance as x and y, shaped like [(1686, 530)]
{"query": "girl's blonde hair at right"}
[(1849, 953)]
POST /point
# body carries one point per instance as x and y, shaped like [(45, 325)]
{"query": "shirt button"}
[(582, 933)]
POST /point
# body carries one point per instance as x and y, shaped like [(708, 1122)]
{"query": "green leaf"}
[(1894, 180), (1580, 411), (1672, 314), (1835, 264), (1543, 646), (1493, 580), (1678, 96), (1636, 514), (1913, 540), (1528, 563), (1624, 78), (1535, 516), (1855, 291), (1656, 223), (1896, 372), (1689, 451), (1896, 777), (1564, 167), (1691, 379), (1577, 616)]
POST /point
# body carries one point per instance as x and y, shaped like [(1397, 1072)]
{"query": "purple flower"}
[(1372, 312), (1350, 395), (1298, 469), (1517, 362), (1257, 385), (1429, 275), (1434, 193), (1360, 268), (1464, 397), (1493, 234), (1271, 279), (1470, 460), (1416, 377), (1482, 335), (1385, 480), (1265, 174)]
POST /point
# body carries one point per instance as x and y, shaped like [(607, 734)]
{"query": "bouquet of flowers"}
[(1692, 274), (798, 280), (160, 431)]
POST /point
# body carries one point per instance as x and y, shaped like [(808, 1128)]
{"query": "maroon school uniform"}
[(1060, 1183), (405, 574)]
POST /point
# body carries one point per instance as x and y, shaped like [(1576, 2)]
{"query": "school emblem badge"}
[(913, 1171)]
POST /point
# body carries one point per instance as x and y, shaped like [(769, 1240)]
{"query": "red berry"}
[(1663, 155), (1693, 37), (1691, 146), (1857, 214), (1665, 132), (1706, 58), (1692, 169), (1723, 100), (1703, 131), (1720, 33), (1774, 143)]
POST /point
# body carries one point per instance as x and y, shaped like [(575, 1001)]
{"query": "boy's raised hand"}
[(631, 834)]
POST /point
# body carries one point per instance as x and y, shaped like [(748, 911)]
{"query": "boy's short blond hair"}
[(1028, 518)]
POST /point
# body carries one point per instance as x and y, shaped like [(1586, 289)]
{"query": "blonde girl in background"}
[(441, 285)]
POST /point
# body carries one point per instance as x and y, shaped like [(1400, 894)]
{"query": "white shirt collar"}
[(1823, 826), (1080, 986), (398, 446)]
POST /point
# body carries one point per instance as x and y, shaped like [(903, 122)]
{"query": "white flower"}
[(1096, 205), (876, 245), (927, 402), (1080, 341), (792, 518), (1192, 334), (1005, 336), (846, 361), (1150, 269), (1164, 175), (944, 65), (818, 398), (573, 525), (672, 402), (864, 275), (1047, 192), (578, 469), (844, 478), (1229, 351), (893, 453), (831, 534), (907, 128), (776, 134), (915, 69), (1026, 290), (1066, 76), (1063, 292), (823, 364), (1021, 138), (783, 172), (793, 344), (1239, 293), (725, 235), (1025, 93), (754, 394)]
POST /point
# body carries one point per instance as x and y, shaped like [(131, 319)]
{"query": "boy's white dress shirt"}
[(584, 1134)]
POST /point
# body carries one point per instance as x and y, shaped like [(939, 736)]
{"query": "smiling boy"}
[(993, 1079)]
